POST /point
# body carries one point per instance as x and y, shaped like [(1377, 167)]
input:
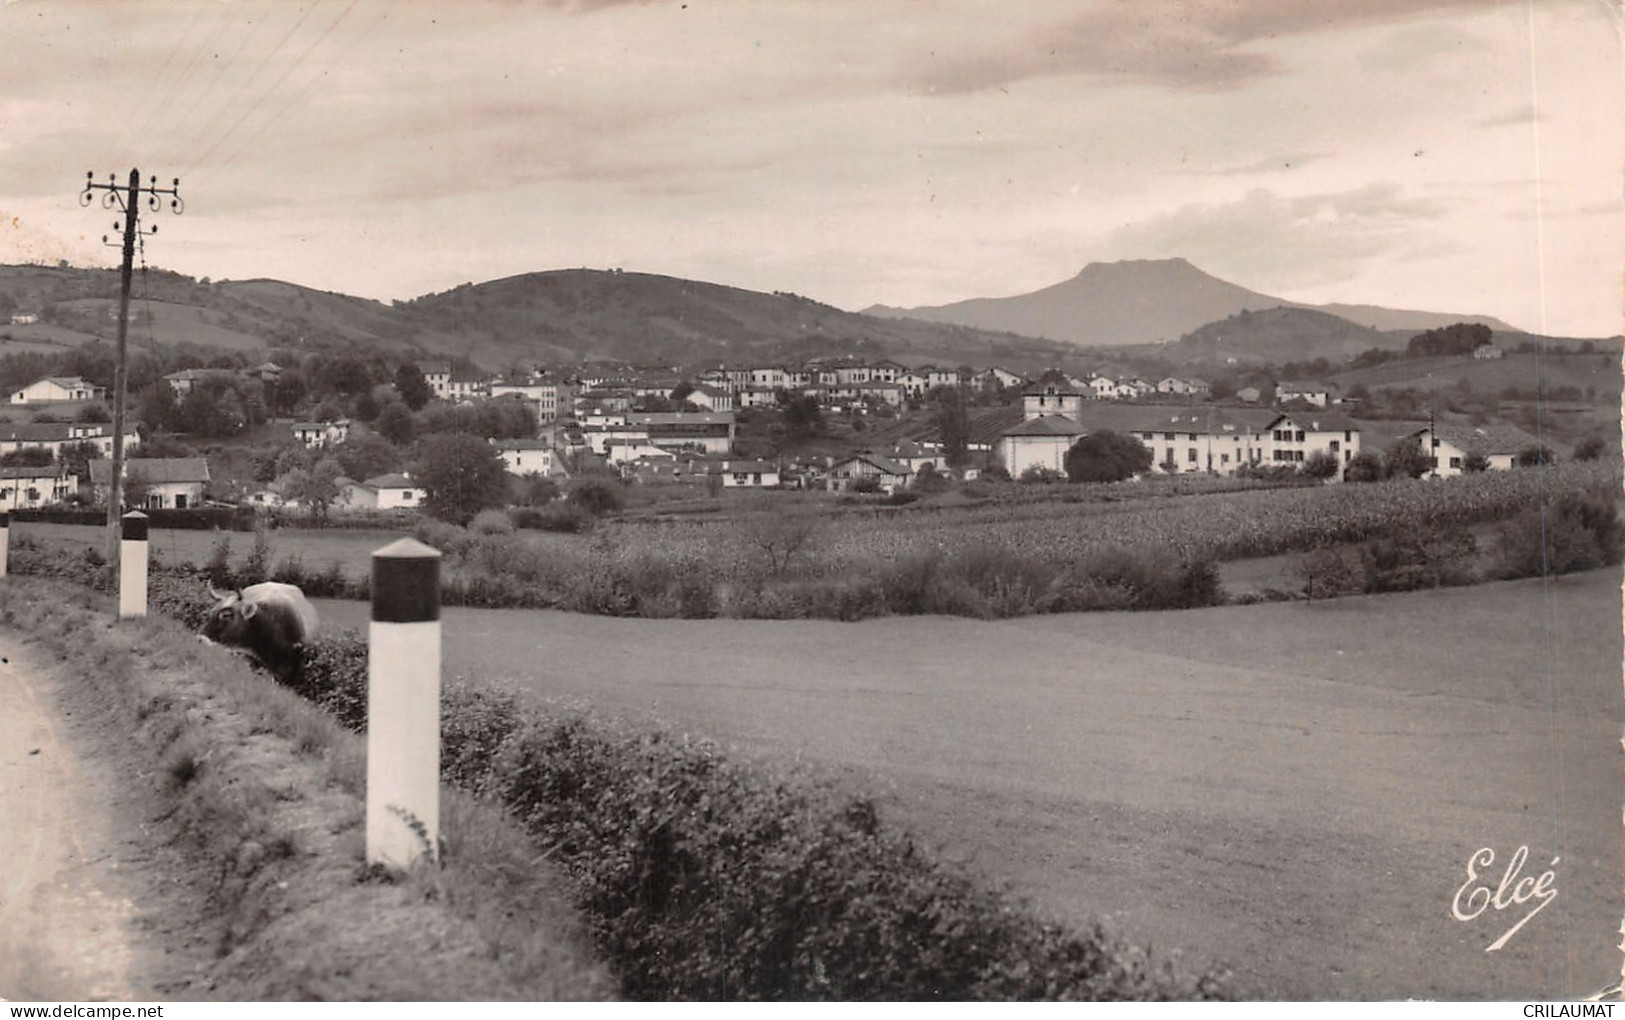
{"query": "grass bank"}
[(265, 796)]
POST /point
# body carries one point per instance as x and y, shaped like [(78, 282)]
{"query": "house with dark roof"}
[(1040, 442), (1296, 436), (887, 473), (1452, 446), (24, 487), (394, 491), (157, 483)]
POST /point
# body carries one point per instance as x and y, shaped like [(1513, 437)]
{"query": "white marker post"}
[(5, 540), (132, 566), (403, 705)]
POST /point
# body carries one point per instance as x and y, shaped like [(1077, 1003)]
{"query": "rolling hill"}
[(1145, 301), (565, 315)]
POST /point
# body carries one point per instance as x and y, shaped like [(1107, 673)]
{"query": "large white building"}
[(57, 389)]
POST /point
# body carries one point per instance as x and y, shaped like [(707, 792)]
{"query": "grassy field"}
[(1292, 788), (318, 548)]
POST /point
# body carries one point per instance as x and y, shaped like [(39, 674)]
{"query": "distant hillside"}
[(1278, 335), (646, 318), (567, 315), (1144, 301)]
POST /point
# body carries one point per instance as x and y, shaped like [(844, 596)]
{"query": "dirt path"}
[(86, 908)]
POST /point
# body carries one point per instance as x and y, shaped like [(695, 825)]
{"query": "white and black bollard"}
[(5, 539), (403, 705), (132, 566)]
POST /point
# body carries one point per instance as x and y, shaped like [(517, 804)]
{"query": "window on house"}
[(1455, 462), (1168, 437), (406, 497), (1224, 458), (1334, 447), (1190, 455), (1300, 437)]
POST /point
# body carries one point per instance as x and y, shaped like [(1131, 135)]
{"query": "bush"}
[(1579, 531), (868, 484), (1320, 465), (1364, 467), (709, 880), (1331, 572), (491, 522), (1106, 456), (1042, 475), (598, 496), (1532, 456)]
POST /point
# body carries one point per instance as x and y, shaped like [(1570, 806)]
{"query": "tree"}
[(597, 496), (28, 456), (315, 487), (1475, 463), (779, 535), (1590, 448), (1537, 454), (533, 489), (1106, 456), (413, 388), (1405, 459), (395, 424), (365, 455), (460, 475), (953, 424), (1320, 465), (803, 417), (1365, 467)]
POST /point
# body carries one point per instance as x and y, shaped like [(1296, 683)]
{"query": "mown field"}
[(1294, 789)]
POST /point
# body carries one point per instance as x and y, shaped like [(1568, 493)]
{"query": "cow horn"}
[(218, 596)]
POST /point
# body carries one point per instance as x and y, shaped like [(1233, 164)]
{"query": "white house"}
[(322, 433), (711, 398), (1316, 394), (1040, 442), (438, 375), (57, 389), (1104, 387), (748, 474), (1051, 396), (525, 456), (163, 482), (1488, 352), (54, 436), (383, 492), (549, 398), (1296, 436), (26, 487), (1451, 445)]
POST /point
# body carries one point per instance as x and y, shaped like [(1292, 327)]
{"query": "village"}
[(875, 426)]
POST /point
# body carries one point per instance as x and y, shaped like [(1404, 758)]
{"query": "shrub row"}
[(1572, 531), (200, 519), (706, 879)]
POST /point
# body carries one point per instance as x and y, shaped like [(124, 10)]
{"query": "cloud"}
[(1281, 241), (1521, 117), (1200, 45), (1269, 164)]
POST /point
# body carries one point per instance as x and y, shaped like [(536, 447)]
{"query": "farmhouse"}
[(55, 436), (57, 389), (27, 487), (1451, 445), (1298, 435), (889, 474), (1039, 442), (322, 433), (749, 474), (1051, 396), (383, 492), (157, 483), (549, 398), (1314, 394), (525, 456)]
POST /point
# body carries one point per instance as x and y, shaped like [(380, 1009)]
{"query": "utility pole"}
[(127, 198)]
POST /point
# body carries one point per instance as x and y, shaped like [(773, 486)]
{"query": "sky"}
[(1450, 156)]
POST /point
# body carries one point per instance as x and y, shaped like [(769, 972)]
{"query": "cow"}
[(270, 621)]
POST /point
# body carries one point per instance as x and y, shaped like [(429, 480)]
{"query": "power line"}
[(274, 86), (304, 91), (220, 112), (186, 72), (201, 93)]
